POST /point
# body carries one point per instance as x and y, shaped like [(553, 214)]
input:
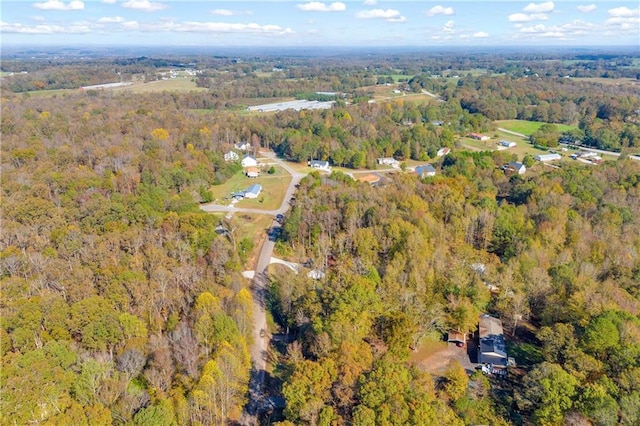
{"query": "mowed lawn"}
[(274, 188), (528, 127), (523, 148)]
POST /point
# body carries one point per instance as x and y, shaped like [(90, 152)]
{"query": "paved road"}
[(259, 349)]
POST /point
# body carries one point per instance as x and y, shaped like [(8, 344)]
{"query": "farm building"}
[(478, 137), (547, 157), (507, 144)]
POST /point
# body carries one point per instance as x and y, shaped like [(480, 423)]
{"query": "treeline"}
[(120, 303), (560, 247)]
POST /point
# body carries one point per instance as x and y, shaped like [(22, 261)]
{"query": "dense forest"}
[(122, 305)]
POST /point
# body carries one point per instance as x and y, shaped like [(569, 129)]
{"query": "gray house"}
[(491, 347)]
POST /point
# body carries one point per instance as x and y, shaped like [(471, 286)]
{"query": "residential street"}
[(258, 401)]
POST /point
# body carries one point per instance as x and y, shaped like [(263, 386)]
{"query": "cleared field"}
[(523, 148), (273, 189), (173, 85), (48, 93), (528, 127)]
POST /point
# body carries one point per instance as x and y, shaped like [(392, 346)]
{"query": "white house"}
[(249, 161), (426, 170), (231, 156), (243, 146), (318, 164), (443, 151), (517, 167), (507, 144), (253, 191), (491, 346), (390, 161), (547, 157)]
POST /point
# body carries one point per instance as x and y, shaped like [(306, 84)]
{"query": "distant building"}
[(231, 156), (478, 137), (426, 170), (516, 167), (243, 146), (249, 161), (443, 151), (507, 144), (253, 191), (389, 161), (252, 172), (319, 164), (547, 157), (491, 348)]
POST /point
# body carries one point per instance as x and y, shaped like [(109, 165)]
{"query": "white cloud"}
[(449, 27), (316, 6), (111, 20), (222, 12), (540, 7), (109, 1), (587, 8), (224, 27), (623, 12), (59, 5), (480, 34), (370, 2), (143, 5), (524, 17), (389, 15), (569, 31), (6, 27), (440, 10)]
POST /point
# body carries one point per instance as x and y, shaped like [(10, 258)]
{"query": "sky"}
[(291, 23)]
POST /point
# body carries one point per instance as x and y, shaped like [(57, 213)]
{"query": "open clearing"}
[(274, 188), (173, 85), (528, 127)]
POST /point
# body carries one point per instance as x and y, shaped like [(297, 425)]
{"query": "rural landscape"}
[(324, 237)]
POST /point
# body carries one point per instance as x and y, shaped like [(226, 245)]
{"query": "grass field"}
[(174, 85), (528, 127), (274, 188), (521, 150)]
